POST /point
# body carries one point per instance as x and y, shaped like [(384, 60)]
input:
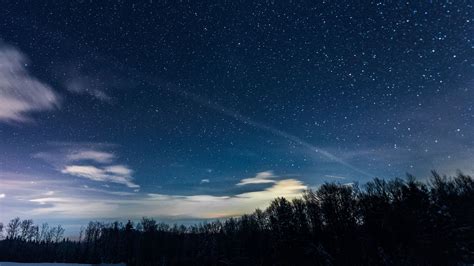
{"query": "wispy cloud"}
[(2, 195), (74, 206), (119, 174), (89, 160), (20, 92), (89, 86), (82, 77), (260, 178), (92, 155)]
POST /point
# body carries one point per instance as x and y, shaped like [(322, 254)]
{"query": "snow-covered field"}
[(53, 264)]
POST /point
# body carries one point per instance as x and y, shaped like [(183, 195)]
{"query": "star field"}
[(122, 102)]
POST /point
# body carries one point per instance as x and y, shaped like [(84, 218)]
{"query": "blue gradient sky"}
[(192, 111)]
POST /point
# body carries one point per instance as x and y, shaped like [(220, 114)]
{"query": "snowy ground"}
[(54, 264)]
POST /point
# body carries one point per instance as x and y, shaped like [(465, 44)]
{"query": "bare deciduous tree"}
[(13, 228)]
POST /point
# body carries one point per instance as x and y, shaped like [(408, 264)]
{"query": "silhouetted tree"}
[(388, 222), (1, 230), (13, 228)]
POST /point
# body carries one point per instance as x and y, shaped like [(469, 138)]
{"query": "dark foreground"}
[(399, 222), (53, 264)]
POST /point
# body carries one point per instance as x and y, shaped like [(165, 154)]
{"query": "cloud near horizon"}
[(20, 93), (166, 206), (66, 200)]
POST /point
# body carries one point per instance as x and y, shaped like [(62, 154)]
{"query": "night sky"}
[(115, 110)]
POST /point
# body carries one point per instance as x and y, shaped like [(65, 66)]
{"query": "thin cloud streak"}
[(248, 121)]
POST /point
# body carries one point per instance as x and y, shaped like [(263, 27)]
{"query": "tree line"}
[(27, 231), (394, 222)]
